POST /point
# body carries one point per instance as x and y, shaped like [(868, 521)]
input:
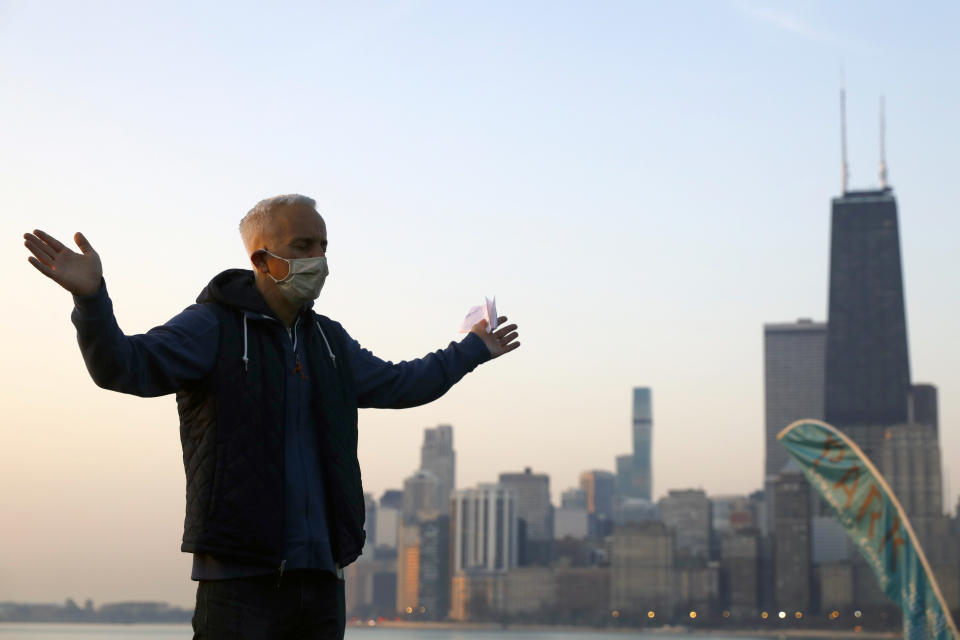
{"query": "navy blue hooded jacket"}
[(298, 422)]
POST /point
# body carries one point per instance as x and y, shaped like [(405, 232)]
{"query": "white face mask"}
[(304, 280)]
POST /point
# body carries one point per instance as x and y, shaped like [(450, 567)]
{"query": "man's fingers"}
[(55, 244), (38, 247), (42, 268), (83, 243), (508, 338), (502, 331)]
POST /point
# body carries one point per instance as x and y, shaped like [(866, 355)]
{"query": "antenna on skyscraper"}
[(883, 146), (843, 128)]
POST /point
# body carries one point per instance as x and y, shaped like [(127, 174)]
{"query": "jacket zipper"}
[(283, 565), (299, 427)]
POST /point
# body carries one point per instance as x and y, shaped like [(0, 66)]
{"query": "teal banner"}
[(875, 521)]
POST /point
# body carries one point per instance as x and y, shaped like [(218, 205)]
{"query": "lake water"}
[(18, 631)]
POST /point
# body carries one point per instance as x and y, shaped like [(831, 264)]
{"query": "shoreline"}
[(662, 631), (666, 631)]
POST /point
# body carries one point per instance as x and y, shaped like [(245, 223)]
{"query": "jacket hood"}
[(235, 288)]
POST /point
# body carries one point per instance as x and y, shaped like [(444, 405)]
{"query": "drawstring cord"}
[(333, 358), (245, 359)]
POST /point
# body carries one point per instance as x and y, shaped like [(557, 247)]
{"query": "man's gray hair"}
[(258, 218)]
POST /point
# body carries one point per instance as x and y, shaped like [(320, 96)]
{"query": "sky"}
[(642, 185)]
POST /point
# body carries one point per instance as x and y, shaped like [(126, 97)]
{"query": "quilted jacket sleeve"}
[(386, 385), (161, 361)]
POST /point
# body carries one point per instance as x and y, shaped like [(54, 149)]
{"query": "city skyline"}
[(678, 162)]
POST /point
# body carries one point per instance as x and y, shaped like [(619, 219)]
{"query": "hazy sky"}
[(641, 184)]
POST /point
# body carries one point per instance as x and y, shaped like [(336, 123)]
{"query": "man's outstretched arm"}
[(156, 363), (387, 385)]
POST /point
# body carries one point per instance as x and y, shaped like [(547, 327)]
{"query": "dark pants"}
[(302, 605)]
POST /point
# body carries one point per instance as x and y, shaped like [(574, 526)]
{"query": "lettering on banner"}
[(831, 443), (896, 540), (853, 473), (873, 494)]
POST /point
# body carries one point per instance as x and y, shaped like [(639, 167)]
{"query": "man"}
[(267, 392)]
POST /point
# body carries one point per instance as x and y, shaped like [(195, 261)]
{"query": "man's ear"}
[(259, 261)]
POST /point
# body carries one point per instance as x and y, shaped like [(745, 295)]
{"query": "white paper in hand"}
[(486, 311)]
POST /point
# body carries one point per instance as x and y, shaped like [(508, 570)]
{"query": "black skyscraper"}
[(867, 377)]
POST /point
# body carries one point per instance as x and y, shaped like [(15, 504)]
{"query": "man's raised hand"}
[(78, 273), (501, 341)]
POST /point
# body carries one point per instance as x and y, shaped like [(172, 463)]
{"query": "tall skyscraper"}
[(438, 457), (625, 483), (422, 497), (642, 443), (634, 472), (388, 518), (792, 567), (867, 378), (793, 365), (599, 487), (532, 494), (868, 392), (423, 576), (793, 369), (434, 584), (370, 526), (408, 567), (484, 525)]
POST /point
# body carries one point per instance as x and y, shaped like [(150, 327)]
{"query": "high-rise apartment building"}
[(371, 587), (829, 541), (792, 541), (740, 561), (599, 487), (422, 497), (728, 514), (408, 567), (687, 513), (793, 368), (423, 575), (575, 498), (642, 564), (369, 525), (533, 508), (438, 457), (484, 529), (571, 522), (532, 493), (392, 499), (388, 518), (434, 583), (625, 482), (909, 458)]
